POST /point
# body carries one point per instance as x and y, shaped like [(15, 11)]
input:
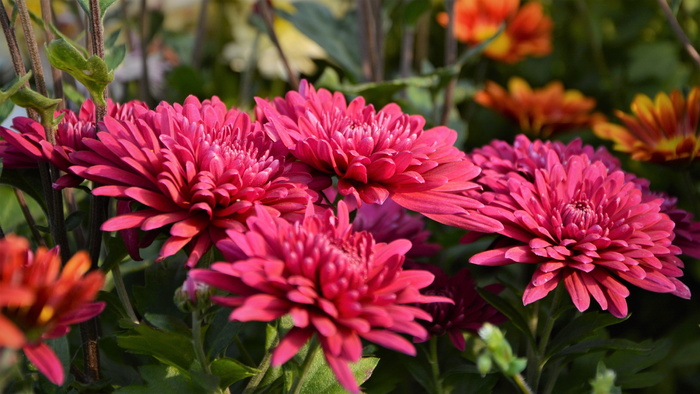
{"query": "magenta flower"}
[(334, 282), (389, 222), (24, 148), (198, 168), (40, 300), (469, 311), (377, 154), (586, 226), (499, 159)]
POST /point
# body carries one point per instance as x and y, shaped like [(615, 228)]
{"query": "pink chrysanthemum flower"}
[(198, 167), (40, 300), (377, 154), (498, 159), (469, 311), (389, 222), (334, 282), (586, 226), (23, 149)]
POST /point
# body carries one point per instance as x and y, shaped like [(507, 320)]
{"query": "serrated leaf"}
[(231, 371), (514, 315), (92, 72), (580, 328), (170, 348), (104, 5), (163, 379)]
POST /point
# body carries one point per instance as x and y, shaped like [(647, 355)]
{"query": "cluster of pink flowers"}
[(258, 191)]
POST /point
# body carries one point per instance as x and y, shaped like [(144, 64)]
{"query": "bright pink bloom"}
[(389, 222), (198, 168), (26, 148), (334, 282), (499, 159), (377, 154), (586, 226), (469, 311), (39, 300)]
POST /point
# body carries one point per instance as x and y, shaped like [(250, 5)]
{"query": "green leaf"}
[(6, 109), (111, 40), (221, 333), (163, 379), (581, 327), (75, 219), (514, 315), (338, 37), (162, 278), (115, 56), (600, 344), (28, 98), (5, 95), (104, 4), (26, 180), (230, 371), (92, 72), (321, 379), (171, 348)]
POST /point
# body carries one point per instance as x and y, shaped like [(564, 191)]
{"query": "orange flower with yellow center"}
[(528, 32), (540, 112), (661, 131)]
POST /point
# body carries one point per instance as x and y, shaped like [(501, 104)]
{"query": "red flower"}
[(198, 167), (24, 149), (469, 311), (377, 154), (587, 226), (498, 159), (40, 301), (334, 282)]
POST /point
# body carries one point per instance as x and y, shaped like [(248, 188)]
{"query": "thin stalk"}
[(522, 384), (678, 30), (144, 87), (310, 355), (268, 17), (12, 45), (545, 335), (435, 364), (197, 341), (56, 75), (123, 294), (28, 217), (199, 37), (450, 58), (262, 367)]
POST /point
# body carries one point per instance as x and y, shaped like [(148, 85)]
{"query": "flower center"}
[(579, 212)]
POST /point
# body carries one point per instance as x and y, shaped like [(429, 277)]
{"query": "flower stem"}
[(310, 355), (263, 367), (544, 336), (435, 364), (268, 16), (197, 341), (522, 384), (123, 294), (678, 30)]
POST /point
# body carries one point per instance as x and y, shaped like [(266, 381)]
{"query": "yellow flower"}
[(540, 112), (661, 131)]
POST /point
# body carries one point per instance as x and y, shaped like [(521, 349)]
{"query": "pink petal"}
[(290, 345), (46, 361)]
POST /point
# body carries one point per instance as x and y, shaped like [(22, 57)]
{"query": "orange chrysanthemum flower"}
[(540, 112), (662, 131), (39, 300), (528, 32)]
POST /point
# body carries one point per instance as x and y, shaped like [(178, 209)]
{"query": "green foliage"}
[(167, 379), (104, 5), (92, 71)]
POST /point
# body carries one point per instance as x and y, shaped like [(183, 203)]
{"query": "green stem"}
[(435, 364), (197, 341), (252, 385), (310, 355), (522, 385), (545, 334), (123, 294)]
